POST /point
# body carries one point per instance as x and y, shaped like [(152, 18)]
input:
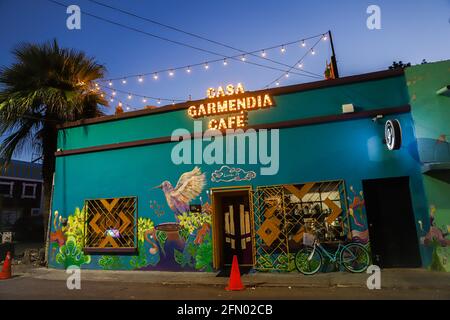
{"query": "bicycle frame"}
[(333, 258)]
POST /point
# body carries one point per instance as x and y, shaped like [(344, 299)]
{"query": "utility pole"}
[(333, 57)]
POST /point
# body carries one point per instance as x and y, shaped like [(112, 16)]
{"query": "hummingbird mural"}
[(189, 186)]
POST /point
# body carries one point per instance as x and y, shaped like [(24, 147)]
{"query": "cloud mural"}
[(229, 174)]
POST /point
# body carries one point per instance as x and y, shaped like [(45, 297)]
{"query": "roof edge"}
[(273, 91)]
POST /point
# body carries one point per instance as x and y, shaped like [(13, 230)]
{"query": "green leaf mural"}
[(203, 259), (162, 238), (110, 262), (72, 255)]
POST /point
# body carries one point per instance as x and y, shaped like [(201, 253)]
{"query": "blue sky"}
[(411, 31)]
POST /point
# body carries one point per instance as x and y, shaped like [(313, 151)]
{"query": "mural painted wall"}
[(431, 114), (170, 236)]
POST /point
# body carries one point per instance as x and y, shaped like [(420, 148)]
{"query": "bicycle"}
[(353, 256)]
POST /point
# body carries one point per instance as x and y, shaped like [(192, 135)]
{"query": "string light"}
[(188, 70), (206, 66), (128, 108), (130, 97), (241, 56), (325, 38), (114, 93), (225, 62), (313, 52), (300, 65), (277, 83), (287, 75), (110, 84), (112, 100), (159, 101), (155, 76), (171, 73), (120, 104), (144, 100), (140, 79), (124, 81)]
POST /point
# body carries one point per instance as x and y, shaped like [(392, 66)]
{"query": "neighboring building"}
[(429, 90), (21, 200), (117, 203)]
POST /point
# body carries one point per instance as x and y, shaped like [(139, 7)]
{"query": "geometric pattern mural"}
[(110, 223), (284, 213)]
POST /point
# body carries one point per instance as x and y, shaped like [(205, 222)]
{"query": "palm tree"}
[(45, 86)]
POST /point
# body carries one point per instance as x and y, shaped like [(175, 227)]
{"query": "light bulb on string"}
[(124, 81), (286, 74), (155, 76), (283, 49), (130, 96), (303, 43), (171, 73), (325, 37), (300, 65), (277, 83), (144, 100), (173, 102), (159, 101), (263, 54), (128, 108), (120, 104), (112, 100), (110, 84), (225, 62), (243, 58), (114, 93), (140, 79), (313, 52), (206, 66), (188, 70)]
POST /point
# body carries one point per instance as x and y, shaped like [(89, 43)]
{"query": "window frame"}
[(24, 186), (36, 209), (11, 189), (111, 250)]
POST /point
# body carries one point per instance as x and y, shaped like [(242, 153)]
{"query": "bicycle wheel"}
[(307, 262), (355, 257)]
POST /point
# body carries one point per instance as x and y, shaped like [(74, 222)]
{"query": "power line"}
[(195, 35), (297, 63), (173, 41)]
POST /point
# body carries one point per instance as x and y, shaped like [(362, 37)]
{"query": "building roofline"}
[(273, 91)]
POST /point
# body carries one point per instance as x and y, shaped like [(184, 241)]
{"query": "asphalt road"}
[(31, 288)]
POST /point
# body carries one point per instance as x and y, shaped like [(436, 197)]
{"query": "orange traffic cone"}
[(6, 270), (235, 283)]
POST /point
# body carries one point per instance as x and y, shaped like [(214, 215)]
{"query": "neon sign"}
[(231, 105)]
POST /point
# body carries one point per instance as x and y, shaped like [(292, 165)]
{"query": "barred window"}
[(111, 225)]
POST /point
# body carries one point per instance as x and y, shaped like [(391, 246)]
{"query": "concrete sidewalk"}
[(390, 278)]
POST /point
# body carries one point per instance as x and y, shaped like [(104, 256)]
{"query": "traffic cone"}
[(6, 270), (235, 283)]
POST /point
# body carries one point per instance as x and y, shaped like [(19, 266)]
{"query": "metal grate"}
[(111, 223), (284, 213)]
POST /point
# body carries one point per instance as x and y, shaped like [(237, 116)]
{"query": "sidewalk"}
[(390, 278)]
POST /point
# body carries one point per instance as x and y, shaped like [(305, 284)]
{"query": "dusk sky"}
[(410, 31)]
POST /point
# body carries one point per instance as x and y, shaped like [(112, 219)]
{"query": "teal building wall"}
[(351, 150), (431, 115)]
